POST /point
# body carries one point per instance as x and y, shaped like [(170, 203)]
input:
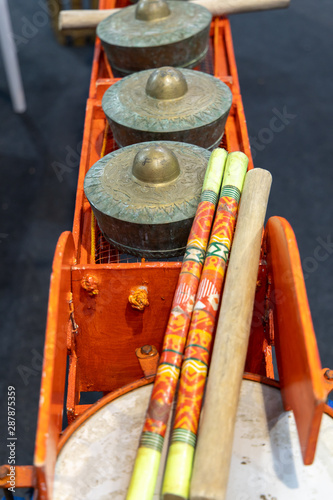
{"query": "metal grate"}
[(107, 254), (207, 65)]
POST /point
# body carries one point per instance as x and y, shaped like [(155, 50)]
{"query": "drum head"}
[(267, 460), (97, 460)]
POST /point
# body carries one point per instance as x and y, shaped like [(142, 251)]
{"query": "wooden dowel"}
[(215, 439), (77, 19), (228, 7)]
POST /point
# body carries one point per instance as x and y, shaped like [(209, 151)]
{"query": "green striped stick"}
[(178, 471)]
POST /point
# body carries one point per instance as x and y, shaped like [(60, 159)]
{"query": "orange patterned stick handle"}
[(152, 438), (199, 340), (178, 324)]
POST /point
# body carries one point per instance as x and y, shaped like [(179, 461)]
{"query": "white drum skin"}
[(97, 460), (266, 461)]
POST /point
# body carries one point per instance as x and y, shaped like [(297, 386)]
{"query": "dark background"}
[(285, 62)]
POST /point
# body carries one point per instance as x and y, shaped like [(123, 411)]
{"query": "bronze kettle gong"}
[(145, 196), (155, 33), (168, 104)]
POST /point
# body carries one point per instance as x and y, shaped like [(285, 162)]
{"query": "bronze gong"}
[(155, 33), (145, 196), (168, 104)]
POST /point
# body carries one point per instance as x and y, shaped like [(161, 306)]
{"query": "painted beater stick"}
[(215, 438), (179, 465), (147, 461)]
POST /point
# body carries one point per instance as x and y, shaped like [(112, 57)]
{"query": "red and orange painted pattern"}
[(199, 341), (177, 328)]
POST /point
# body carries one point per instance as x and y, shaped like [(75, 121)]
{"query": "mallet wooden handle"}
[(227, 7), (77, 19), (215, 438)]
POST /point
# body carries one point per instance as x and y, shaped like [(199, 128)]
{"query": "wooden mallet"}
[(215, 438)]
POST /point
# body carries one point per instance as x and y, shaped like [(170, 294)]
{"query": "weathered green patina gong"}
[(168, 104), (145, 196), (155, 33)]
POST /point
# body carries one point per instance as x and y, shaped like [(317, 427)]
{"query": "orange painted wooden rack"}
[(96, 329)]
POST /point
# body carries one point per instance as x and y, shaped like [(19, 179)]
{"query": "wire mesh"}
[(107, 254), (207, 65)]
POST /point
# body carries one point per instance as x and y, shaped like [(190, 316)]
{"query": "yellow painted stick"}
[(215, 438), (144, 476)]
